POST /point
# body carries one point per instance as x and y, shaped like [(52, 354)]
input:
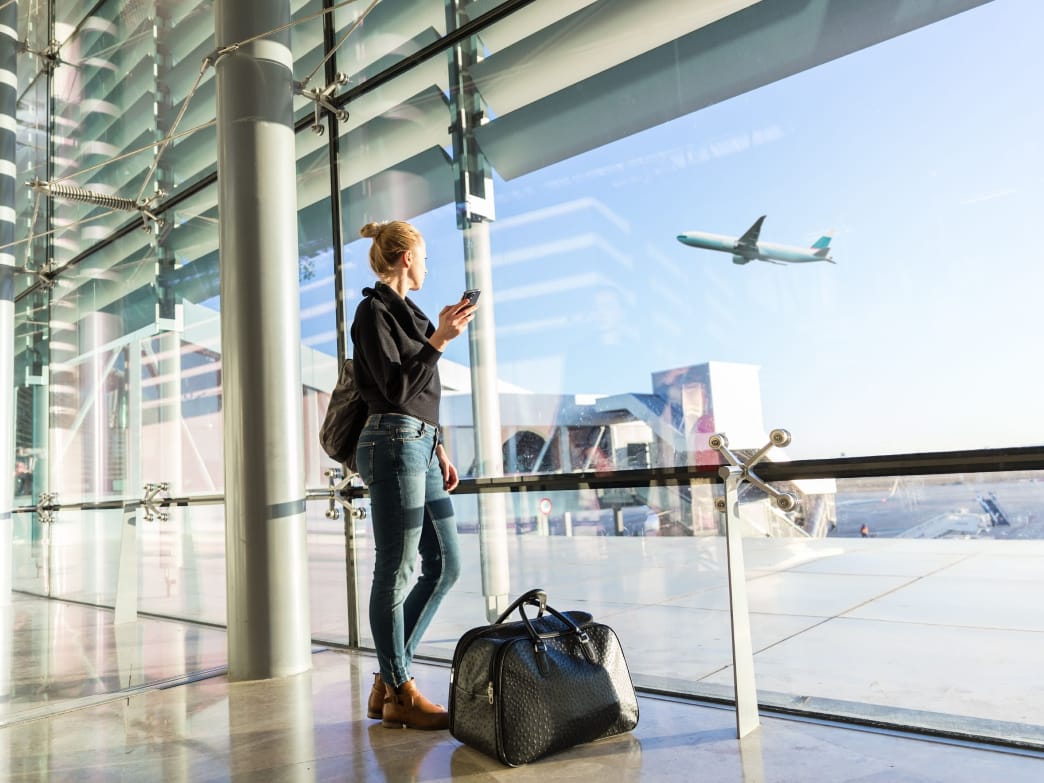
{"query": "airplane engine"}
[(740, 260)]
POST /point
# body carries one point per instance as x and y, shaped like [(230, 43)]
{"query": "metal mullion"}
[(337, 227)]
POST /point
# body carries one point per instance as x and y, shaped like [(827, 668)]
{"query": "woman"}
[(404, 465)]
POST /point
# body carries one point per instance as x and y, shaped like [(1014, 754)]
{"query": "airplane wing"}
[(750, 238)]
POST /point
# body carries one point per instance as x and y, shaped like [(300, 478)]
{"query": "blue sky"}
[(922, 153)]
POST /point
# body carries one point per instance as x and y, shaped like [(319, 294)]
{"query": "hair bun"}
[(371, 230)]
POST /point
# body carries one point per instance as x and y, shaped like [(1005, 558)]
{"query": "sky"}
[(922, 154)]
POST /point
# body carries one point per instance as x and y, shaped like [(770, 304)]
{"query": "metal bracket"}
[(47, 507), (151, 505), (45, 275), (337, 484), (151, 223), (51, 56), (778, 438), (733, 474), (321, 98)]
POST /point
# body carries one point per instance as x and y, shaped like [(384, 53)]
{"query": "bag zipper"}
[(490, 694)]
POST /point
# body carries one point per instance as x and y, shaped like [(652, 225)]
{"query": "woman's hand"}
[(453, 320), (450, 479)]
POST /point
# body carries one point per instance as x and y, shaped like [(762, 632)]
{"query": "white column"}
[(265, 534)]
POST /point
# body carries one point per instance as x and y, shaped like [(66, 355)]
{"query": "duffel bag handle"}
[(535, 597), (538, 597), (574, 630)]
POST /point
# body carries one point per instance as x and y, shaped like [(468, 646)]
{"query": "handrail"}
[(911, 464)]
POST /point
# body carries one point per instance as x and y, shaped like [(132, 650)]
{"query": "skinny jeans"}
[(412, 515)]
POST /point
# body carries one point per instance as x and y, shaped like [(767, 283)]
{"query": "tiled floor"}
[(149, 702)]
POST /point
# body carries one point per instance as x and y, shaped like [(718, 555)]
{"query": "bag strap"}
[(535, 597), (538, 598)]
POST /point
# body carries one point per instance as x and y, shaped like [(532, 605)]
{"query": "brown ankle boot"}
[(406, 708), (375, 704)]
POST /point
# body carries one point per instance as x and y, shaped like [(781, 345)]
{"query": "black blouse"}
[(396, 368)]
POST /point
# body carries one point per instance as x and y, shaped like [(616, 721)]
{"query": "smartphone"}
[(472, 295)]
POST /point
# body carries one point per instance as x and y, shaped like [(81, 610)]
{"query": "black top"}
[(396, 368)]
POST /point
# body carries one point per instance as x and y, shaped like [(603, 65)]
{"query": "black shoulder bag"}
[(345, 418)]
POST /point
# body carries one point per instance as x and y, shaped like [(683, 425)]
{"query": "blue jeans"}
[(411, 514)]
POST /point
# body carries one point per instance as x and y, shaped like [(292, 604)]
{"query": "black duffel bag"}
[(524, 689)]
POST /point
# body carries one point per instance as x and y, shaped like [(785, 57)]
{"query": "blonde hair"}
[(390, 241)]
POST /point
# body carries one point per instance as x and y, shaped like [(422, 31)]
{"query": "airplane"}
[(746, 248)]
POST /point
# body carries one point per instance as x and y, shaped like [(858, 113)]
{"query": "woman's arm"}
[(453, 320), (450, 479)]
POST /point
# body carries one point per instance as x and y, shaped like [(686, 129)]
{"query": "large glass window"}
[(863, 312), (685, 219), (597, 307)]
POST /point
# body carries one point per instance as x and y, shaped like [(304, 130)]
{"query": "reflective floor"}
[(84, 701)]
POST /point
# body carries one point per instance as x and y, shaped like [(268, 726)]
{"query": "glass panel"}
[(327, 567), (182, 570), (97, 307), (630, 556), (31, 549), (876, 627), (83, 552), (373, 39), (919, 608), (30, 159), (102, 91), (318, 300), (185, 37), (306, 42), (30, 396), (588, 158), (128, 70)]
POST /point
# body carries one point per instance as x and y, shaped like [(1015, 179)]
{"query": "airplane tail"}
[(823, 243), (821, 247)]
